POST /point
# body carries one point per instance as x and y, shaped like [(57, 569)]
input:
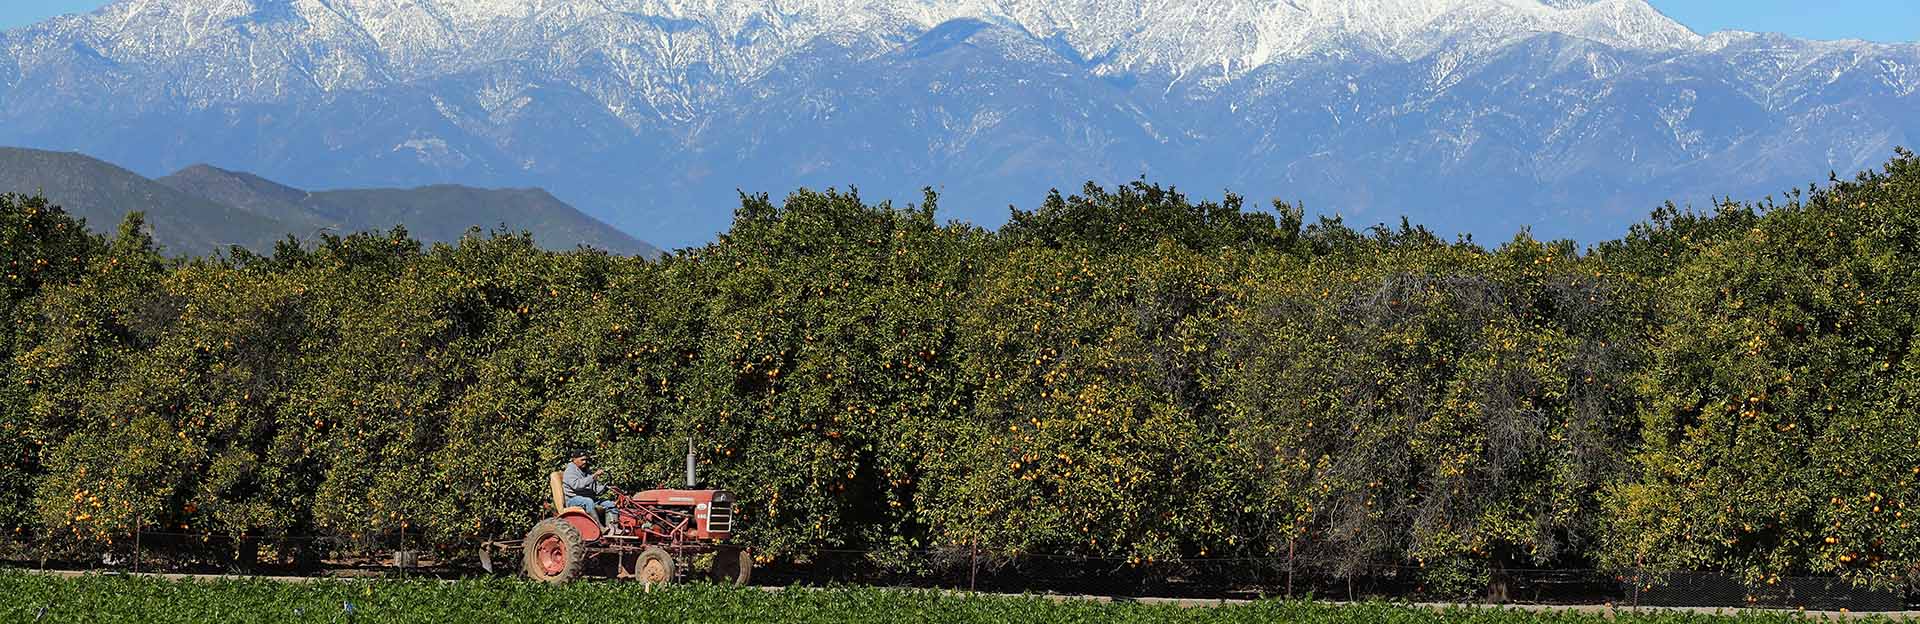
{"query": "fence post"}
[(137, 524), (1639, 578), (1290, 550), (973, 572)]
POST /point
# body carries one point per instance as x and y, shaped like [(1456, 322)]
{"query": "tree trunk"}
[(1499, 583), (245, 556)]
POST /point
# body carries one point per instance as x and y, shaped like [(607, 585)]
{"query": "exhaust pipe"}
[(691, 481)]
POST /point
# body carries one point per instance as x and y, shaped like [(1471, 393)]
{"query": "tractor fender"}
[(588, 527)]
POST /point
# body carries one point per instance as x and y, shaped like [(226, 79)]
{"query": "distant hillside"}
[(203, 209), (431, 213), (247, 192), (103, 194)]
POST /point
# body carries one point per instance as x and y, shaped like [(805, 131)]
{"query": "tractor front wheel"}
[(655, 567), (732, 566), (555, 552)]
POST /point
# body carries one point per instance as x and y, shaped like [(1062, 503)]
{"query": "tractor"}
[(655, 539)]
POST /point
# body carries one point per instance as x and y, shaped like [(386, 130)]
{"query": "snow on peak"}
[(662, 57), (1243, 34), (1177, 35)]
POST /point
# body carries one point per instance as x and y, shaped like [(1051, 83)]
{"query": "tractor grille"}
[(720, 516)]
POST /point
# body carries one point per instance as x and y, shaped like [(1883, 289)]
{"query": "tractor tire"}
[(655, 567), (732, 566), (554, 552)]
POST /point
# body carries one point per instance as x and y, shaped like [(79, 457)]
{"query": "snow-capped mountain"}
[(1575, 116)]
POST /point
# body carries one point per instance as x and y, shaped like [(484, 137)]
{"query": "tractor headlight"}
[(722, 498)]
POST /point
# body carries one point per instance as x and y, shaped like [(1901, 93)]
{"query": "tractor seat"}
[(560, 507)]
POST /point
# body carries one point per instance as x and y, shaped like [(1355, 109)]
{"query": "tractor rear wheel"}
[(554, 552), (732, 566), (655, 567)]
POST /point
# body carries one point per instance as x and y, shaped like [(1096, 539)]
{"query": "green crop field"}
[(30, 598)]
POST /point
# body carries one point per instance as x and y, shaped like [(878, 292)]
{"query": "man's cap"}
[(578, 453)]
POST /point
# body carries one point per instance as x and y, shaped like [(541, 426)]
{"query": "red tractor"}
[(659, 535)]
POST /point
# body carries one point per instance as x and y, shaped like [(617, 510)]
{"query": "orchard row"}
[(1121, 373)]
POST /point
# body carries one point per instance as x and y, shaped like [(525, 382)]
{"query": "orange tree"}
[(193, 422), (1432, 404), (416, 426), (337, 286), (1781, 435), (1094, 428), (810, 350), (1070, 447), (41, 247), (75, 343), (186, 428), (556, 372)]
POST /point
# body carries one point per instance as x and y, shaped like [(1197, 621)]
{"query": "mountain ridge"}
[(103, 194), (651, 114), (204, 209)]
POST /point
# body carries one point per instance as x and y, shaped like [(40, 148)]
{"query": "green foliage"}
[(1139, 216), (1673, 238), (1123, 375), (1439, 404), (102, 440), (41, 247), (122, 599), (816, 370), (1092, 429), (1781, 436)]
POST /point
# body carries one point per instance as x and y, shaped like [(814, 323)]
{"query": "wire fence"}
[(972, 568)]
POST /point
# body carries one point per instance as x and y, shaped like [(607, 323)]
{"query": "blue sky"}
[(1877, 20), (1873, 20)]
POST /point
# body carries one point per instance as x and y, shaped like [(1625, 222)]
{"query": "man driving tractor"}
[(668, 528), (582, 490)]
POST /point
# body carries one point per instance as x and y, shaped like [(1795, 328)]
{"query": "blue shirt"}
[(577, 482)]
